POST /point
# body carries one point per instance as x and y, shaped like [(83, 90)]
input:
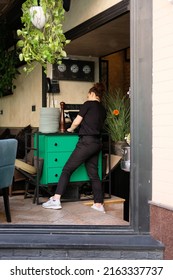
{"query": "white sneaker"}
[(100, 209), (52, 204)]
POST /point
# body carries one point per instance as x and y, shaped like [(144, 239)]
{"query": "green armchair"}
[(8, 150)]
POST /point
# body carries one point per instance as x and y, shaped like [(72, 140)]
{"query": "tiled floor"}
[(23, 211)]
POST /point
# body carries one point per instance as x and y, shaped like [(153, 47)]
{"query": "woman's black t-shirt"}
[(94, 115)]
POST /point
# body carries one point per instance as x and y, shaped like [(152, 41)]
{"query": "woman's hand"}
[(75, 124), (70, 129)]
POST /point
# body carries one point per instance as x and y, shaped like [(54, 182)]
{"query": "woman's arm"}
[(75, 123)]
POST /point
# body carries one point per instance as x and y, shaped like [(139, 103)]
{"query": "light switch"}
[(33, 108)]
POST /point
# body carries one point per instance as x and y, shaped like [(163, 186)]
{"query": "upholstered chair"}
[(8, 149)]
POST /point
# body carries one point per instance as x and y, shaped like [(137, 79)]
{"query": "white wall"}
[(163, 102), (17, 108)]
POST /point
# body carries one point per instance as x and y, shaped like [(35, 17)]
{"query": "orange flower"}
[(116, 112)]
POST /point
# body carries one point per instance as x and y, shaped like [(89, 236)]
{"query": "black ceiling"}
[(11, 13), (10, 21)]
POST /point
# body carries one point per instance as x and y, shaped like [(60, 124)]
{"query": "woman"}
[(91, 118)]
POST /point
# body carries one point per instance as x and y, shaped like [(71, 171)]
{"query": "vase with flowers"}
[(117, 123)]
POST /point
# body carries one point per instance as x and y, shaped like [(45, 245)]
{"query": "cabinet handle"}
[(56, 159), (56, 175), (55, 144)]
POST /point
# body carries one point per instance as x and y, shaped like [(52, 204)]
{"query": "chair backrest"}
[(8, 150)]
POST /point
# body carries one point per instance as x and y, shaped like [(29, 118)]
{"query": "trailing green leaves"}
[(44, 45)]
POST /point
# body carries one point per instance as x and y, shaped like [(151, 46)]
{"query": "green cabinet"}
[(55, 150)]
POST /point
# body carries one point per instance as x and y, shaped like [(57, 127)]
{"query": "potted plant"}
[(42, 39), (117, 122)]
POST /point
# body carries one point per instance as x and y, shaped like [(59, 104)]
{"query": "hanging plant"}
[(43, 43)]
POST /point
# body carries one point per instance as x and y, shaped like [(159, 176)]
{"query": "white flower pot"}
[(38, 17), (49, 120)]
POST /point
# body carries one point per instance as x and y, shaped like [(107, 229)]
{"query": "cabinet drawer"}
[(78, 175), (61, 143), (57, 159), (53, 174)]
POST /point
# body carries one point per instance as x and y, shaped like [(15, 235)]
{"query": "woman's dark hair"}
[(98, 89)]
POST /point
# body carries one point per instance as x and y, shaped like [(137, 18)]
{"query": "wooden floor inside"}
[(24, 211)]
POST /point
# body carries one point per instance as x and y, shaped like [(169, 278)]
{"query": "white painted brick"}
[(162, 102)]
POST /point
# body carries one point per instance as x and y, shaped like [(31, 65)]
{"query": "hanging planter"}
[(38, 17), (42, 40)]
